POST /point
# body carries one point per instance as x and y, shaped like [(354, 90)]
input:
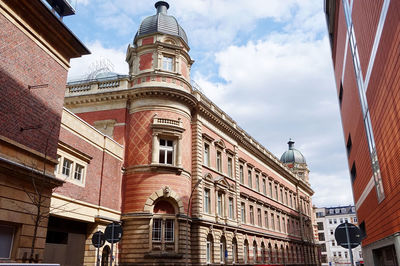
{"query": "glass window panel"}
[(66, 167), (169, 230), (156, 235), (6, 241), (162, 156), (169, 157)]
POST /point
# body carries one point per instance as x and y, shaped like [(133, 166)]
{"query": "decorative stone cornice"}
[(132, 94)]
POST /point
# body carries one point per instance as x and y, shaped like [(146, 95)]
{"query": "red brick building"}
[(35, 50), (365, 41), (246, 205)]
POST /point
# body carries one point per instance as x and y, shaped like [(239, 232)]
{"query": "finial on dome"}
[(291, 144), (161, 7)]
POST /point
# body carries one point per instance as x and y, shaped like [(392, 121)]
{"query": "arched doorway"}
[(262, 252), (222, 250), (234, 250), (105, 255), (270, 255), (209, 248), (246, 251), (255, 256)]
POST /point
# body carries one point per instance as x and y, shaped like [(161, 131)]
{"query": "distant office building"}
[(327, 221), (365, 41)]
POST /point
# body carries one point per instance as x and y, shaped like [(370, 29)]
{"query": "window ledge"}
[(163, 255), (165, 168)]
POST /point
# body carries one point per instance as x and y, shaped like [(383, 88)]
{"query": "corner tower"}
[(158, 158), (159, 53)]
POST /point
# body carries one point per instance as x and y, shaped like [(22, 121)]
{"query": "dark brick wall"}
[(24, 63)]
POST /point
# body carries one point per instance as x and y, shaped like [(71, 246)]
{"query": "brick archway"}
[(167, 194)]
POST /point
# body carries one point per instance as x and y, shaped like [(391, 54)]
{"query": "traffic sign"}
[(98, 239), (113, 232), (354, 235)]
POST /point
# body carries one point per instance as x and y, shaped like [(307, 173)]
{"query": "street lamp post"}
[(187, 220)]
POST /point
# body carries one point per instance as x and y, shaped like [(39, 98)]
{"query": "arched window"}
[(287, 257), (270, 255), (283, 254), (209, 248), (276, 254), (234, 251), (246, 251), (255, 257), (262, 252), (163, 226), (222, 250), (292, 256)]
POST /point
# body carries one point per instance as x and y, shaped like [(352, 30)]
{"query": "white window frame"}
[(79, 170), (241, 174), (167, 149), (157, 230), (243, 211), (67, 170), (230, 166), (220, 207), (75, 164), (168, 63), (218, 161), (231, 208), (207, 201), (206, 154)]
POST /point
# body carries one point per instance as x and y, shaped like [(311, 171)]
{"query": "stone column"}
[(155, 149)]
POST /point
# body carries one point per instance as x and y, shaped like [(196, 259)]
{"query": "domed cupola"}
[(292, 155), (159, 55), (295, 161), (161, 23)]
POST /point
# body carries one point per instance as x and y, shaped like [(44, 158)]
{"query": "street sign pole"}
[(112, 245), (349, 244), (98, 251), (98, 241)]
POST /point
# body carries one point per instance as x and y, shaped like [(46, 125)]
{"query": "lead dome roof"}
[(292, 155), (161, 23)]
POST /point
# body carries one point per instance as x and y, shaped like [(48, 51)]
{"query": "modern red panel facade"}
[(365, 41)]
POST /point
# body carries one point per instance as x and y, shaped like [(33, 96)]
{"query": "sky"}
[(266, 63)]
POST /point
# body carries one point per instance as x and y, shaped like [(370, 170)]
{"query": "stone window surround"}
[(219, 186), (174, 54), (62, 153), (169, 129)]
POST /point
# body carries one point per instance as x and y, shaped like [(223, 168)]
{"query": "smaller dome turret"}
[(295, 161), (161, 22), (292, 155)]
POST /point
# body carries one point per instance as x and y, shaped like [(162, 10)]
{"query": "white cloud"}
[(81, 66), (331, 190), (277, 84), (283, 87)]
